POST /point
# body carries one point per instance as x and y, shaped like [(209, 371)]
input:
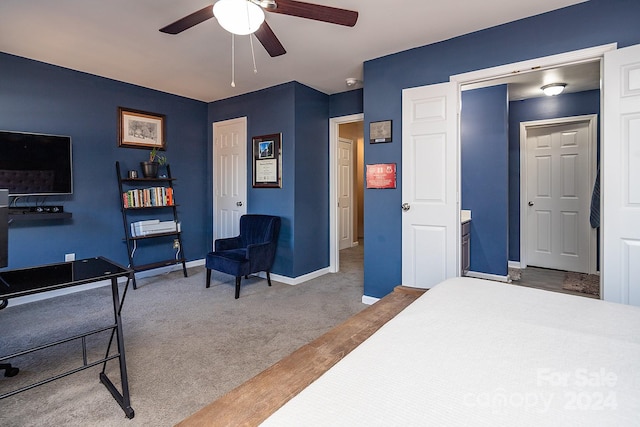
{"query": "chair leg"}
[(238, 278), (9, 371), (208, 278), (268, 278)]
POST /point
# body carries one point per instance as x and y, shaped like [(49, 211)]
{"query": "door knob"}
[(530, 203), (238, 203), (406, 207)]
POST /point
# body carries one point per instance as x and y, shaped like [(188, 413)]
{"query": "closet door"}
[(621, 176)]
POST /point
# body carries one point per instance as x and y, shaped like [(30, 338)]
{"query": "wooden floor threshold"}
[(255, 400)]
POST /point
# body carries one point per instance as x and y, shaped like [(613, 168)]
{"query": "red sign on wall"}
[(382, 175)]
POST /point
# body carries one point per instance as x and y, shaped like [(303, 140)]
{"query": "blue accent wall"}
[(301, 114), (311, 181), (37, 97), (345, 103), (593, 23), (41, 98), (268, 111), (484, 175), (567, 105)]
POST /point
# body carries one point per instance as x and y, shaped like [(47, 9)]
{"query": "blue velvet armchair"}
[(251, 252)]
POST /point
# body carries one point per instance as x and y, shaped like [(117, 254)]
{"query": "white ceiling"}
[(577, 77), (119, 39)]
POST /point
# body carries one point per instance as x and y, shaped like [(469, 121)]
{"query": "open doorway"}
[(551, 162), (351, 184), (618, 255), (346, 193)]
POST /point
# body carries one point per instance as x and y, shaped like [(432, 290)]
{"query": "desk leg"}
[(122, 399)]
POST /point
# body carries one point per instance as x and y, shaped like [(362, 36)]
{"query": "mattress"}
[(481, 353)]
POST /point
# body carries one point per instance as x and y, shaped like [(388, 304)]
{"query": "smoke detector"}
[(351, 82)]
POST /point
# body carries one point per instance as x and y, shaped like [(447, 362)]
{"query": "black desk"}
[(27, 281)]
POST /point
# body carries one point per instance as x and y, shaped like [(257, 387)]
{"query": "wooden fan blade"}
[(267, 37), (317, 12), (189, 21)]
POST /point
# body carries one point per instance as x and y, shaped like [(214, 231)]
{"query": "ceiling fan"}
[(264, 33)]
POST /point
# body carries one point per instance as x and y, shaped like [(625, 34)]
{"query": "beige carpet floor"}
[(185, 345)]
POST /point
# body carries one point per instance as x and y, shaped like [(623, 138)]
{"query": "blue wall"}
[(593, 23), (278, 117), (345, 103), (311, 181), (571, 104), (301, 114), (484, 176), (37, 97)]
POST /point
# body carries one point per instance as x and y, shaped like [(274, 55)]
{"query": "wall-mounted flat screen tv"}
[(35, 164)]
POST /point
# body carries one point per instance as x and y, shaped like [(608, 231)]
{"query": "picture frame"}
[(380, 131), (267, 161), (141, 129)]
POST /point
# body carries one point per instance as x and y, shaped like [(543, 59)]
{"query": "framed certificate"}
[(267, 161), (380, 131)]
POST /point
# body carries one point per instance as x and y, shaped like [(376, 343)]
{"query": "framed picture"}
[(140, 129), (380, 131), (267, 161)]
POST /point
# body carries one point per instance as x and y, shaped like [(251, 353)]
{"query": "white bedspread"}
[(480, 353)]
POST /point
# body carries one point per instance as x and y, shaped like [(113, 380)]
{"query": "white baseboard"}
[(163, 270), (369, 300), (296, 280), (66, 291), (168, 269), (487, 276), (514, 264)]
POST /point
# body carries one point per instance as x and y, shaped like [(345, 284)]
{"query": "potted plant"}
[(150, 167)]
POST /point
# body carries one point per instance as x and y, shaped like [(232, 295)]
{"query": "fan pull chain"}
[(233, 60), (253, 55)]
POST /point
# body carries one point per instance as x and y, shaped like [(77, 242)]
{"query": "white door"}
[(430, 182), (621, 177), (559, 183), (229, 176), (345, 192)]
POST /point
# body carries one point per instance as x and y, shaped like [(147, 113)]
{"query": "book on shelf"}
[(148, 197)]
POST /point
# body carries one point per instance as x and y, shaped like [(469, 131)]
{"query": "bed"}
[(475, 352)]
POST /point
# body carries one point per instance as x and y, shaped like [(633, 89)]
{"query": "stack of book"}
[(153, 226), (148, 197)]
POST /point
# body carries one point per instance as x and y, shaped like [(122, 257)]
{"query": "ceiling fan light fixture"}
[(553, 89), (239, 17)]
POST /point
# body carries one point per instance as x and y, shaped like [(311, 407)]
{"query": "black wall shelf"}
[(131, 241), (20, 214)]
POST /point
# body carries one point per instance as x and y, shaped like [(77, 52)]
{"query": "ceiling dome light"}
[(553, 89), (239, 17)]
